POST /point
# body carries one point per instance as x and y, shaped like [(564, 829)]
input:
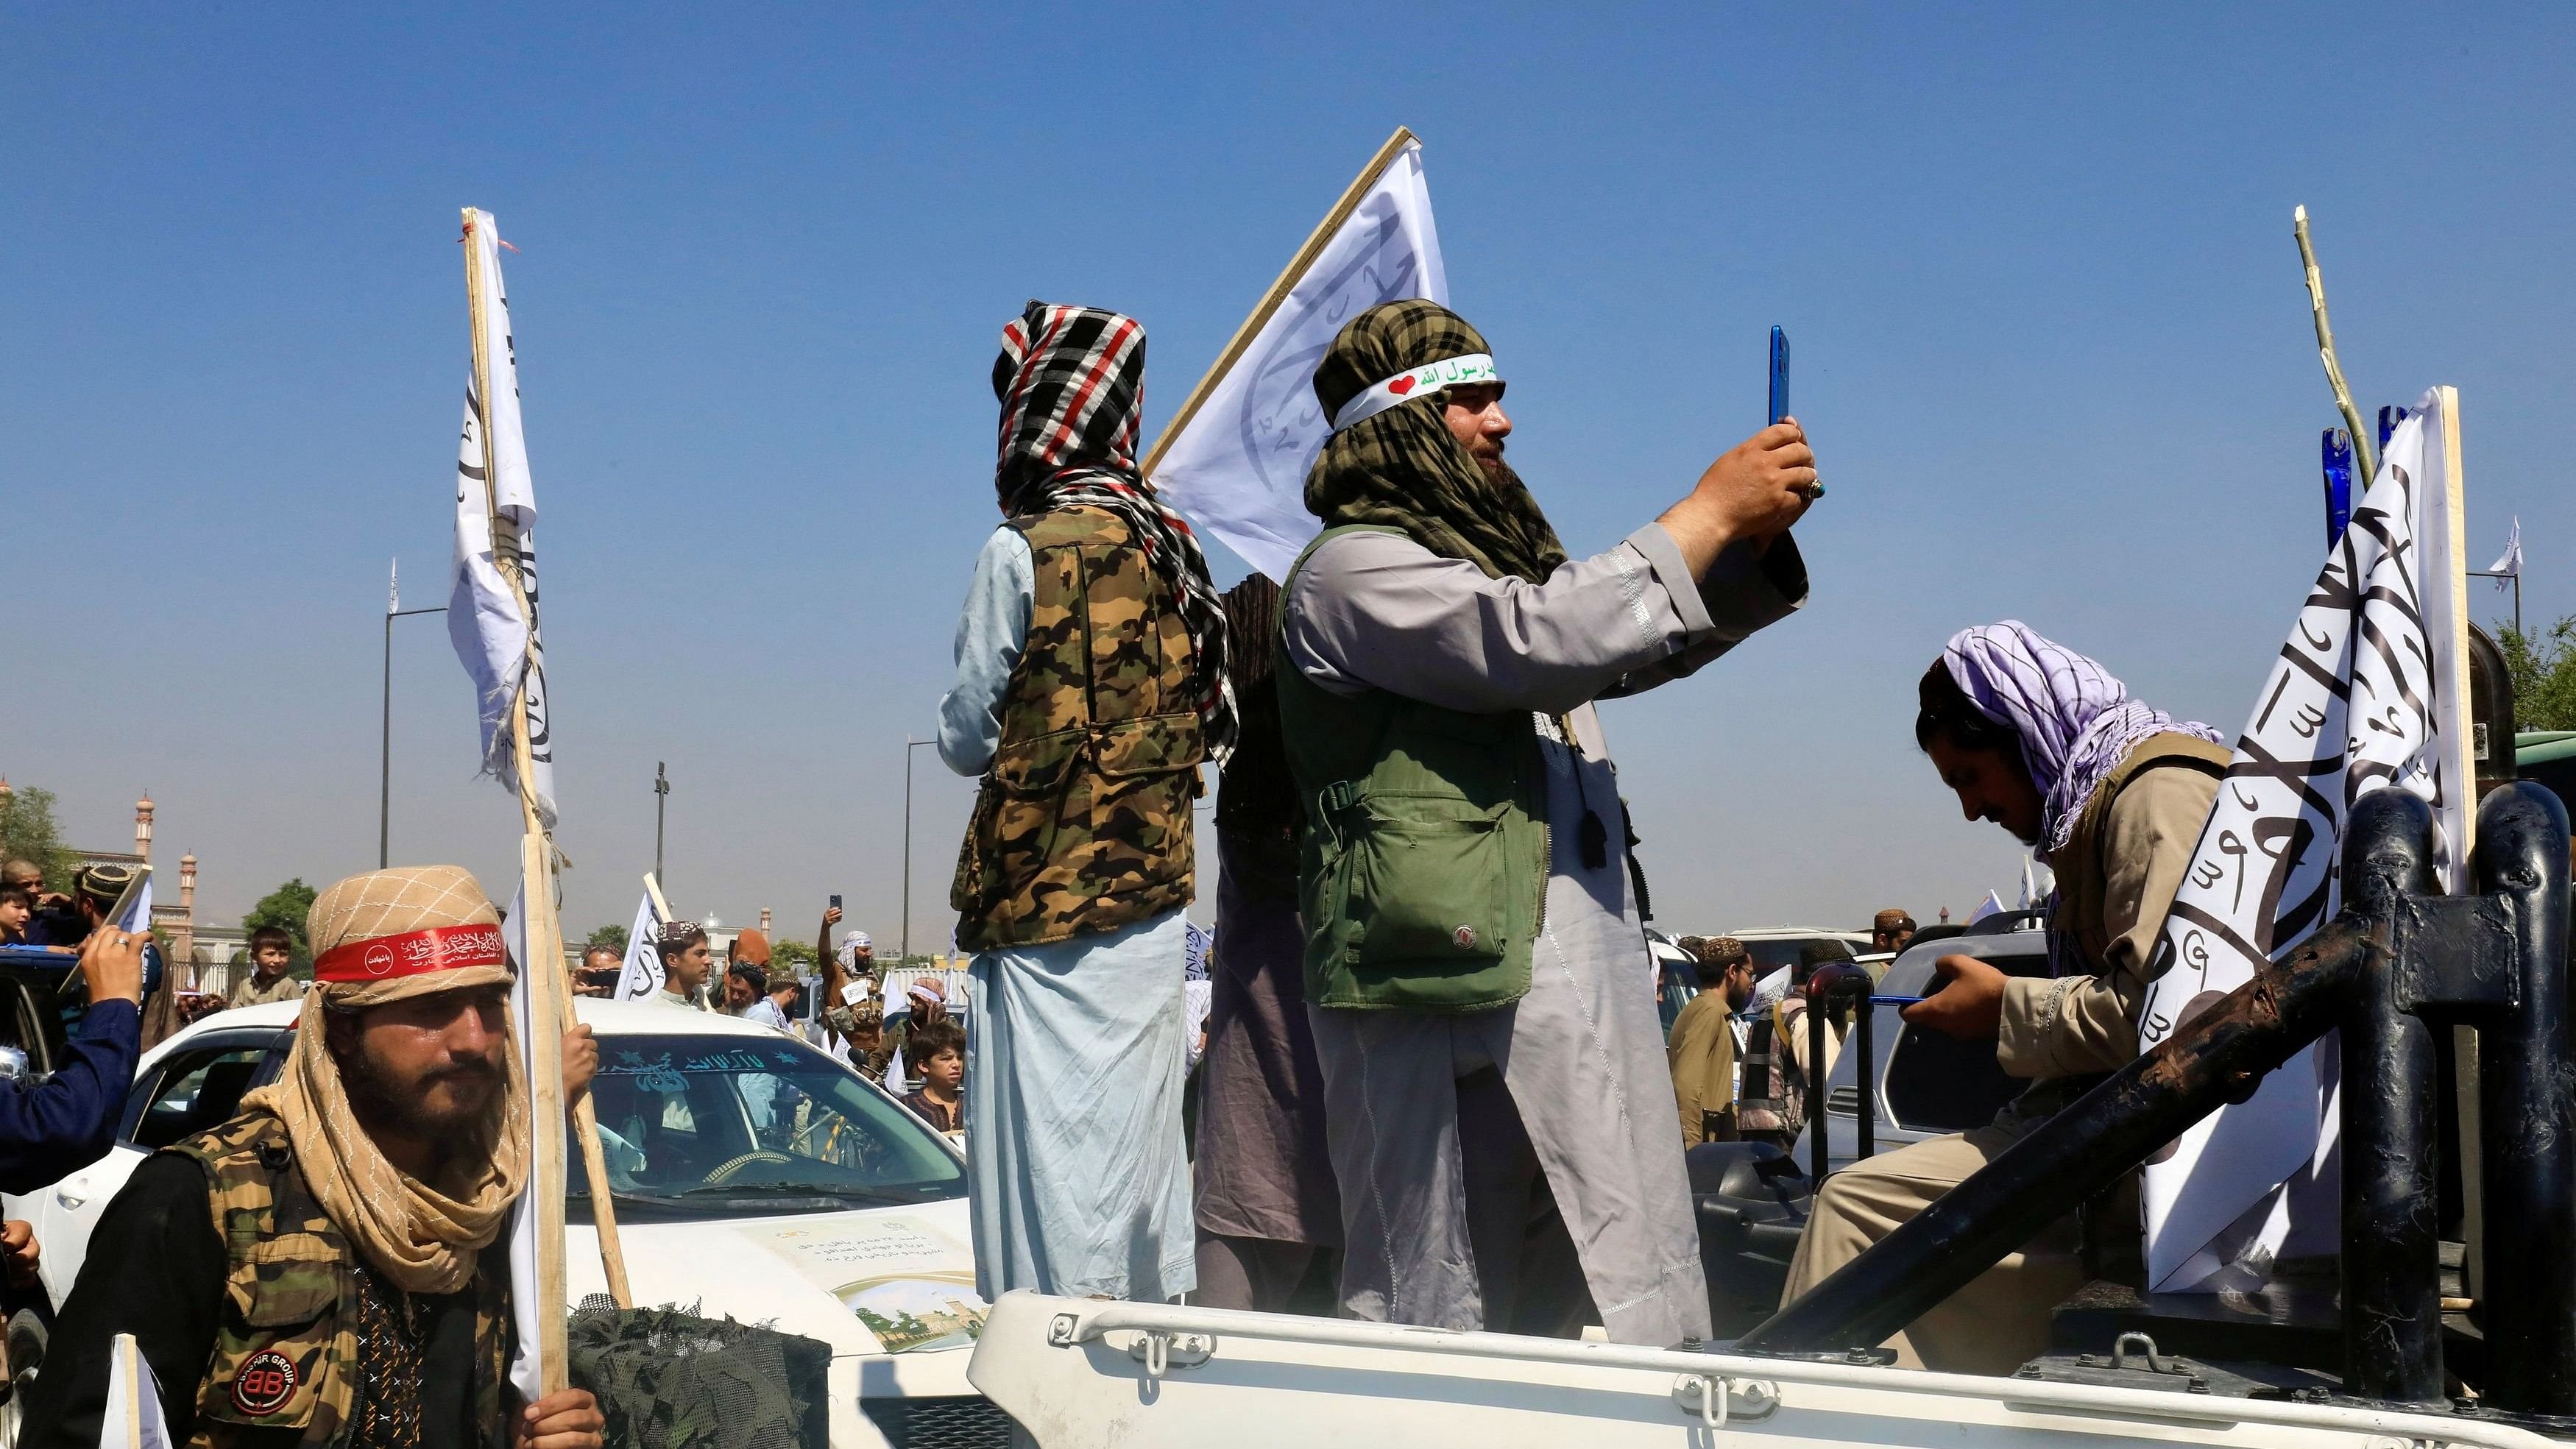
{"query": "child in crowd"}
[(938, 1050), (17, 903)]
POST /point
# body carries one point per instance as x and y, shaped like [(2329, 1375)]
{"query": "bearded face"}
[(1474, 413), (427, 1068)]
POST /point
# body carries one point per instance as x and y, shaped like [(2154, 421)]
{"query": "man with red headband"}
[(316, 1271)]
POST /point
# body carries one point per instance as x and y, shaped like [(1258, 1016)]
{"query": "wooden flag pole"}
[(2459, 763), (2365, 450), (653, 888), (549, 994), (1279, 290)]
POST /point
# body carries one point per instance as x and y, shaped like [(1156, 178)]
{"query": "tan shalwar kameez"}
[(2052, 1030), (1701, 1053)]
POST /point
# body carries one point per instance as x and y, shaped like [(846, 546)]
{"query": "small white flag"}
[(134, 913), (1992, 905), (2511, 564), (642, 978), (1237, 466), (2368, 693), (133, 1418), (501, 650)]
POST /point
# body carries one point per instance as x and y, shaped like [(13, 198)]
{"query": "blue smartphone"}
[(1779, 374)]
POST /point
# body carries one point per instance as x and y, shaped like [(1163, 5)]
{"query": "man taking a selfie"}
[(1493, 1064)]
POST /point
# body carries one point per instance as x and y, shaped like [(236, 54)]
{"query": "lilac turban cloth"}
[(2076, 721)]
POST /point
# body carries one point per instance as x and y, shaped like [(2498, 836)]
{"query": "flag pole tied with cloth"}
[(1236, 455), (2369, 693)]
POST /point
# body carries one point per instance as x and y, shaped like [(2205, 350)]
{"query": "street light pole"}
[(904, 951), (2516, 576), (385, 763), (661, 793)]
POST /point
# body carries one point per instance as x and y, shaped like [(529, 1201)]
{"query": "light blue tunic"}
[(1076, 1173)]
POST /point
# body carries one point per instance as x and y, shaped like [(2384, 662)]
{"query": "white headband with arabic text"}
[(1377, 397)]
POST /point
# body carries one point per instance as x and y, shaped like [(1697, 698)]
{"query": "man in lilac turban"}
[(2112, 794)]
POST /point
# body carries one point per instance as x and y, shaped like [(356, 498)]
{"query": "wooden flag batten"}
[(549, 996)]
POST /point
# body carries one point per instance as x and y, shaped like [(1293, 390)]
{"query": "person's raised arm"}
[(1754, 491), (68, 1121), (833, 977)]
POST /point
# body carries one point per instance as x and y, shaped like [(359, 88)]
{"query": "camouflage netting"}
[(668, 1379)]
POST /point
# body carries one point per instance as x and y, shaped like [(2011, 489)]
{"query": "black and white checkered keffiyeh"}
[(1071, 381)]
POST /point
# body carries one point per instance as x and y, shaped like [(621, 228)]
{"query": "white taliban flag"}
[(133, 1418), (1235, 457), (642, 978), (2369, 693), (499, 647)]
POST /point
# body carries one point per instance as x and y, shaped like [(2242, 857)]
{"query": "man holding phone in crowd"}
[(1473, 941), (851, 1008)]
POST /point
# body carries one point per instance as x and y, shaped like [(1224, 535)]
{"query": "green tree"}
[(611, 936), (796, 958), (285, 908), (27, 832), (2543, 666)]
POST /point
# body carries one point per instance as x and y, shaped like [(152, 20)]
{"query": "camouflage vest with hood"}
[(285, 1367), (1083, 825)]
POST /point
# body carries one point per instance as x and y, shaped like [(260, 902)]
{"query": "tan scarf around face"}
[(423, 1236)]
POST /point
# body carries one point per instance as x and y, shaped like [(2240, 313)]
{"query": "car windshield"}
[(742, 1125)]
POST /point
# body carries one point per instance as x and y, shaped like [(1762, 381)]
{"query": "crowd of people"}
[(1433, 1071)]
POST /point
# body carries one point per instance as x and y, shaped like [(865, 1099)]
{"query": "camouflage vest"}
[(286, 1347), (1083, 823)]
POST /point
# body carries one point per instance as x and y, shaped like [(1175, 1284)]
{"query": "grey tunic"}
[(1583, 1053)]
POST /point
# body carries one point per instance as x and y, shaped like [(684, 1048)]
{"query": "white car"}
[(754, 1176)]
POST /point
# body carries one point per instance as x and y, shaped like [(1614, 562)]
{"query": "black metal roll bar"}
[(1850, 981), (2398, 962)]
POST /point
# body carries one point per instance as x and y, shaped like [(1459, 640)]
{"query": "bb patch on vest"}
[(286, 1345), (264, 1383)]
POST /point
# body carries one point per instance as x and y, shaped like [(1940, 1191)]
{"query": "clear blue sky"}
[(2051, 340)]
